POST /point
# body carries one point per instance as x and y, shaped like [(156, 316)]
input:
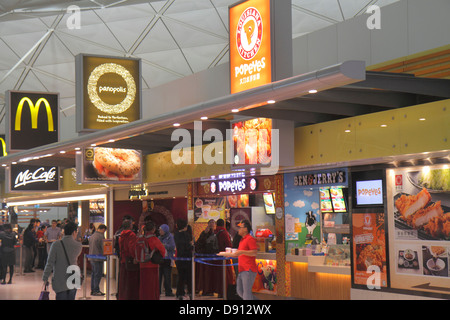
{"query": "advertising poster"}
[(252, 142), (206, 209), (420, 250), (109, 165), (302, 215), (266, 277), (369, 249), (24, 178)]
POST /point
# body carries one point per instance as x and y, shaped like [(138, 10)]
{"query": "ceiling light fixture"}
[(271, 101), (176, 124), (234, 110), (204, 118), (312, 91)]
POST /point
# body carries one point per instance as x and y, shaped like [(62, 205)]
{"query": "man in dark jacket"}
[(96, 248), (183, 243), (29, 242)]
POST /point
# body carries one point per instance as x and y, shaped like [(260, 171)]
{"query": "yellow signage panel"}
[(108, 91), (32, 119), (250, 45)]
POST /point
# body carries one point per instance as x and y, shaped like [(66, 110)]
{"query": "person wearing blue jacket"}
[(165, 269)]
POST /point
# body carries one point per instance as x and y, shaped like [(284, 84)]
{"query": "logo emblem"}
[(93, 89), (249, 33), (34, 110)]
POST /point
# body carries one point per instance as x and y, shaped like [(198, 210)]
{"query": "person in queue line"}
[(184, 247), (128, 288), (149, 284), (29, 242), (96, 248), (165, 269), (8, 252), (224, 241), (52, 234), (58, 264), (208, 276), (246, 254), (42, 250)]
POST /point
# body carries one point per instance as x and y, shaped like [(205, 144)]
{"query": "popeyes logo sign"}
[(250, 45)]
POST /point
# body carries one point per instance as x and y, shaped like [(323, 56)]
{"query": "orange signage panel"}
[(250, 45)]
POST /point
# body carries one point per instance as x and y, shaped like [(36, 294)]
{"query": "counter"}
[(311, 279), (266, 256), (316, 264)]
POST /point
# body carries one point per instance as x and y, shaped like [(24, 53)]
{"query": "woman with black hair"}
[(9, 240)]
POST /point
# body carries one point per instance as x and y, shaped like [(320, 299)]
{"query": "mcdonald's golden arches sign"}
[(33, 119)]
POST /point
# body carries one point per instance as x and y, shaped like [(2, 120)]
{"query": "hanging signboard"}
[(108, 91), (32, 178), (32, 119), (255, 59), (109, 165)]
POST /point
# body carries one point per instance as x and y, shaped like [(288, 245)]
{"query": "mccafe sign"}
[(108, 91), (33, 119), (33, 178)]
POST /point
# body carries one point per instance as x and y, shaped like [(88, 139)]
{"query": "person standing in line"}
[(224, 241), (52, 234), (246, 254), (96, 248), (29, 242), (165, 269), (149, 288), (58, 264), (184, 246), (128, 288), (42, 251), (8, 252)]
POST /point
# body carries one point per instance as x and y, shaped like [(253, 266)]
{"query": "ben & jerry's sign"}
[(33, 119), (108, 91)]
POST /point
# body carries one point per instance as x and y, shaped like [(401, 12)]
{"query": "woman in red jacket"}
[(149, 272), (128, 270)]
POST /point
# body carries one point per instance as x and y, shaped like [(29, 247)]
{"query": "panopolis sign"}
[(108, 91), (33, 119), (250, 45)]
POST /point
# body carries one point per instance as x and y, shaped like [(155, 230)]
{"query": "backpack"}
[(143, 253), (212, 243)]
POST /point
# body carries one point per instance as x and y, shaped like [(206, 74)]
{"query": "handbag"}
[(156, 257), (68, 263), (45, 295), (131, 264)]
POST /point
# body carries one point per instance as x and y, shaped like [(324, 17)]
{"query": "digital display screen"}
[(269, 203), (325, 200), (369, 192)]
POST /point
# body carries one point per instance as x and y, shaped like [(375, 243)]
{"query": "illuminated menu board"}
[(325, 200), (337, 198)]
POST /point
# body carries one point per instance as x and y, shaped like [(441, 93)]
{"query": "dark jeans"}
[(96, 276), (165, 271), (184, 277), (66, 295)]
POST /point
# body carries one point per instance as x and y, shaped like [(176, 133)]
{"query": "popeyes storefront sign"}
[(250, 45)]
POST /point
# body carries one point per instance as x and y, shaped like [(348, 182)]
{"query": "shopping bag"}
[(45, 295)]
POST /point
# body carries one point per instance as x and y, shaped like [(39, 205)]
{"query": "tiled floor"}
[(29, 285)]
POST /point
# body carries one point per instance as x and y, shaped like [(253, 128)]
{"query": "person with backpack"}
[(149, 271), (207, 275), (128, 288)]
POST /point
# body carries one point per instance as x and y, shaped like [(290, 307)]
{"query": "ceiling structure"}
[(174, 39)]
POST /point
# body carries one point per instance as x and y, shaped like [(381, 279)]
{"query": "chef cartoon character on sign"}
[(311, 222)]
